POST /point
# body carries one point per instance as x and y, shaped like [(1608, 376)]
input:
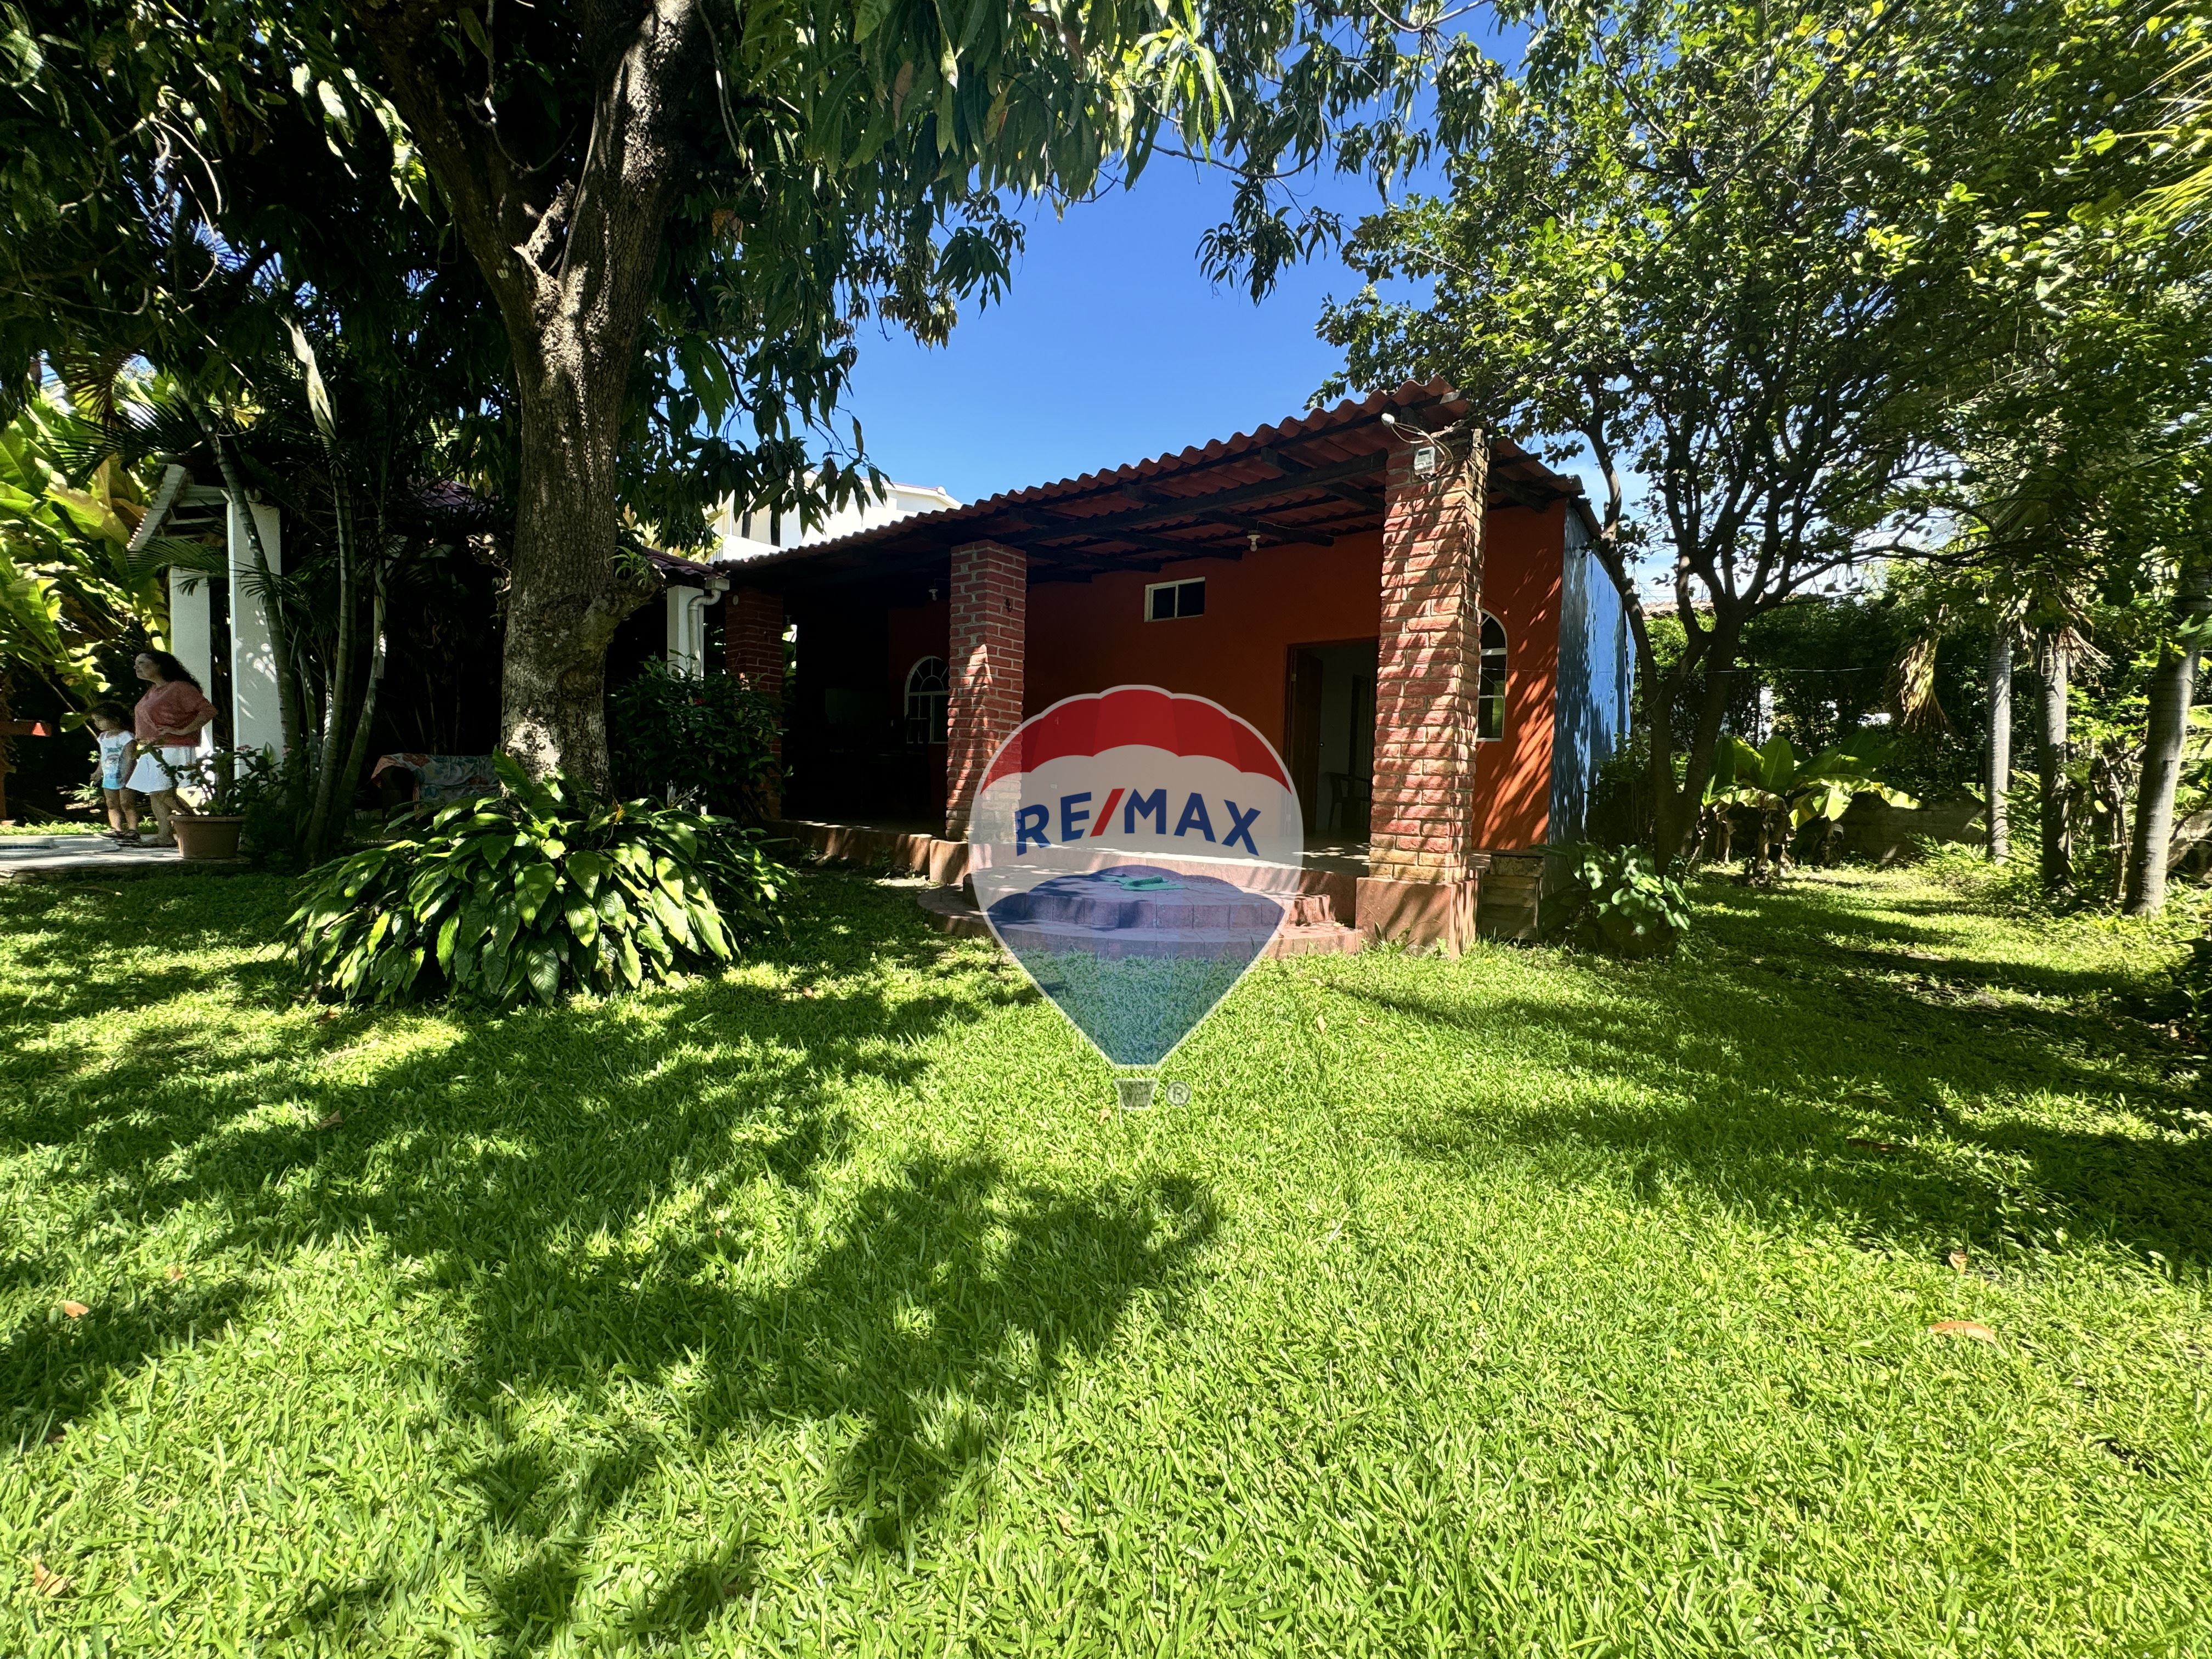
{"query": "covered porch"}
[(1321, 578)]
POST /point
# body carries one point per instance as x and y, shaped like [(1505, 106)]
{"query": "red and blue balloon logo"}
[(1135, 850)]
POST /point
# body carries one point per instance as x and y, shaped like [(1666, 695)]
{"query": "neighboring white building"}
[(744, 536), (219, 625)]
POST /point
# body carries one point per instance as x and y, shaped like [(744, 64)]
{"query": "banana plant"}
[(69, 578), (1788, 794)]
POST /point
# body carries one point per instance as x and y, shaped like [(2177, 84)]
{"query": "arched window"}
[(927, 686), (1490, 694)]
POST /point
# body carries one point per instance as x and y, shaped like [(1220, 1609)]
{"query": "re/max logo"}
[(1031, 822)]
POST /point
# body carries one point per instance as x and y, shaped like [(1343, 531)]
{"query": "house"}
[(1421, 629), (441, 688), (694, 588)]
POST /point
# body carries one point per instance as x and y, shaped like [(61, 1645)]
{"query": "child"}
[(112, 721)]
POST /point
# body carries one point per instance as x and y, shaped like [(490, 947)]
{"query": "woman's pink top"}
[(171, 706)]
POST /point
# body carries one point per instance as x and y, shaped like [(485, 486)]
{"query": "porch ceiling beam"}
[(1195, 507), (1033, 538), (1339, 488), (1515, 493), (1297, 534)]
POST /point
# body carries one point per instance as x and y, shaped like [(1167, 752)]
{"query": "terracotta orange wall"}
[(1522, 568), (1085, 636)]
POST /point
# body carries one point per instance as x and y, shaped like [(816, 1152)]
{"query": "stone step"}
[(1327, 939)]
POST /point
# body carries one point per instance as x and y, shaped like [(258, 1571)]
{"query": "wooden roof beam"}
[(1342, 489), (1031, 536), (1245, 522), (1191, 507)]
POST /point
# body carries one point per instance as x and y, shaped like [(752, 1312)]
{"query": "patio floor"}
[(69, 858)]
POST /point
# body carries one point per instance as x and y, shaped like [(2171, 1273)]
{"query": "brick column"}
[(752, 650), (1422, 867), (989, 637)]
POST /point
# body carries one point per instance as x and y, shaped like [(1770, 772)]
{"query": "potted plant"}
[(218, 786)]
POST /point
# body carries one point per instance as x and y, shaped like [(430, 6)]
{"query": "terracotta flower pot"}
[(203, 836)]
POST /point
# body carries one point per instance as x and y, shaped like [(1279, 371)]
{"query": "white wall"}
[(257, 719)]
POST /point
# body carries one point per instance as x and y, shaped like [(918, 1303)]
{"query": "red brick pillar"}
[(752, 650), (989, 636), (1424, 872)]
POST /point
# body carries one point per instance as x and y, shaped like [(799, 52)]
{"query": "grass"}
[(1531, 1304)]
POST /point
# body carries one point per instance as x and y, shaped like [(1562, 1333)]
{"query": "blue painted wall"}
[(1597, 679)]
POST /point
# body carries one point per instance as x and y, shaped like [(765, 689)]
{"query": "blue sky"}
[(1111, 346)]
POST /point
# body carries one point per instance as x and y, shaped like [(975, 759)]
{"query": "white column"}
[(687, 626), (256, 720), (191, 630)]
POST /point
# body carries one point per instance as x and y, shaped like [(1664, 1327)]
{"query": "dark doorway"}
[(1329, 727)]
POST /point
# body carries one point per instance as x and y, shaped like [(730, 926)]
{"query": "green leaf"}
[(545, 972), (867, 17), (533, 886)]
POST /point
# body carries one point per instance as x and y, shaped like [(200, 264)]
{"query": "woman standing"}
[(167, 723)]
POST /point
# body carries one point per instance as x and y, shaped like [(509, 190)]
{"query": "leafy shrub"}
[(1627, 906), (535, 892), (686, 738), (1619, 812)]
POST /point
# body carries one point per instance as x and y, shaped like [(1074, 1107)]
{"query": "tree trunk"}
[(2173, 688), (567, 595), (573, 283), (1999, 756), (340, 692), (2051, 758), (357, 751), (1675, 808)]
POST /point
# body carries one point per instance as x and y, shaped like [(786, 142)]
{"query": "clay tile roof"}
[(1310, 477)]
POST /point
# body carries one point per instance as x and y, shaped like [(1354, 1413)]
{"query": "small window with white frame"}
[(1166, 601), (1490, 689)]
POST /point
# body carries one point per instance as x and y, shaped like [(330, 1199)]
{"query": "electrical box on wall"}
[(1425, 461)]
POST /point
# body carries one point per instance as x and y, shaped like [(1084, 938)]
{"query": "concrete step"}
[(950, 911)]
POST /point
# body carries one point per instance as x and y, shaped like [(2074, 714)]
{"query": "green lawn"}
[(1531, 1304)]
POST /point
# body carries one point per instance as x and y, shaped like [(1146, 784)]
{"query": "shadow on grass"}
[(1816, 1071), (611, 1192)]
